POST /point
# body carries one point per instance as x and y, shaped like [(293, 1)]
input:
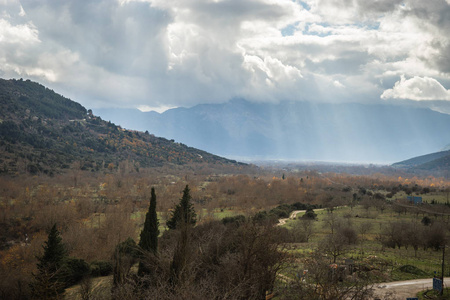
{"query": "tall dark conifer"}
[(184, 212), (54, 251), (149, 234), (183, 218), (48, 283)]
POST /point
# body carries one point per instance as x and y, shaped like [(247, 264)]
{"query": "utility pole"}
[(442, 274)]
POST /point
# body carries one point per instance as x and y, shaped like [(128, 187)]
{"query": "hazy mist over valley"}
[(297, 131)]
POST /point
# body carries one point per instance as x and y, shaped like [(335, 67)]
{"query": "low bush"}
[(233, 220), (73, 270), (101, 268), (412, 270)]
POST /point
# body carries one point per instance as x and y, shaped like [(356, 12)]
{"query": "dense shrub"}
[(73, 270), (233, 220), (284, 210), (412, 270), (426, 221), (310, 214), (281, 211), (101, 268), (302, 206)]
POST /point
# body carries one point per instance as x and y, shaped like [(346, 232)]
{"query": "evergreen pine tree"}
[(54, 251), (184, 212), (47, 284), (149, 234)]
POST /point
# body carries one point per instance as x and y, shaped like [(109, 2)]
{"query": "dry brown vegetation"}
[(95, 212)]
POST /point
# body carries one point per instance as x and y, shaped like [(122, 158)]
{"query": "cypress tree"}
[(183, 218), (184, 212), (47, 284), (149, 234)]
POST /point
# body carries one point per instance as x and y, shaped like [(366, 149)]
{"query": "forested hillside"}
[(439, 161), (41, 131)]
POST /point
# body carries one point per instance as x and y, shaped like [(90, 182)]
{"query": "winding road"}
[(405, 289)]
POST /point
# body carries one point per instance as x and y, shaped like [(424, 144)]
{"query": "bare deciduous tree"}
[(327, 282)]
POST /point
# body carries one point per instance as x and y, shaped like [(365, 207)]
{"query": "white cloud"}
[(418, 89), (166, 53), (336, 83), (18, 34), (159, 109)]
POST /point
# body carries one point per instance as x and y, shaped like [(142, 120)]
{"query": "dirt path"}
[(281, 222), (293, 215), (405, 289)]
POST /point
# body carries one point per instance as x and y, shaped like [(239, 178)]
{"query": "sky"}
[(178, 53)]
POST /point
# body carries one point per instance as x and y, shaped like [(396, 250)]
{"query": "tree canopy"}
[(184, 212), (47, 282), (149, 234)]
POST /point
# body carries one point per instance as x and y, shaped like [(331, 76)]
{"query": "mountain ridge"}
[(35, 119), (433, 161)]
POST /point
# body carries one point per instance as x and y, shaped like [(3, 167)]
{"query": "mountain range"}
[(44, 132), (352, 132)]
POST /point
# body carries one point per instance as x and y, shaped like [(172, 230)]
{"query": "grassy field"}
[(368, 250), (438, 197), (431, 294)]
